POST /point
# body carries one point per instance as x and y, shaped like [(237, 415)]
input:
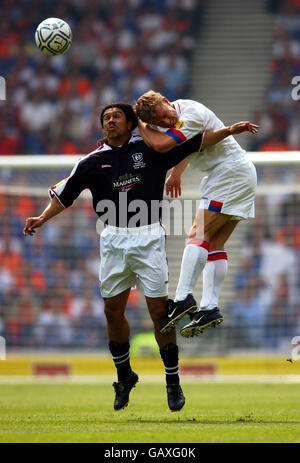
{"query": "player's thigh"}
[(217, 242), (208, 223), (153, 274), (115, 275), (192, 232), (148, 260), (116, 304)]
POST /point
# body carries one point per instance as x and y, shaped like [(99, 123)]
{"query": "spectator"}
[(249, 314), (53, 329), (281, 320), (88, 320)]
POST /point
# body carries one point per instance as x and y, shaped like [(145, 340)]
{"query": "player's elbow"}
[(207, 140), (204, 144), (161, 147), (158, 146)]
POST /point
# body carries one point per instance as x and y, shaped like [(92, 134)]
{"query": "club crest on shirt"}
[(138, 161), (179, 125)]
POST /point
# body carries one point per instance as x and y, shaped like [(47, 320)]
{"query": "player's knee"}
[(111, 312), (216, 244), (157, 312), (192, 233)]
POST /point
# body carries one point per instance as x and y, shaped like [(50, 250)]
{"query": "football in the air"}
[(53, 36)]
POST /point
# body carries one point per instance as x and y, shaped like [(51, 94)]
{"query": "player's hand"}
[(173, 186), (141, 123), (31, 224), (241, 127)]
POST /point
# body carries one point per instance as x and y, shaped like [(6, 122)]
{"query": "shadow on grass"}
[(164, 421)]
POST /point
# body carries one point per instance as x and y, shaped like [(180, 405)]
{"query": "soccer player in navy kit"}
[(124, 166)]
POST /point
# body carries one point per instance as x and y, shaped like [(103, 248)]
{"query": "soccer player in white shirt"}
[(228, 193)]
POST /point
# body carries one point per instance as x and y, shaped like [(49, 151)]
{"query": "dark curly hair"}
[(127, 110)]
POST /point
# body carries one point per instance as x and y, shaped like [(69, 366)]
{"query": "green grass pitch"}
[(213, 412)]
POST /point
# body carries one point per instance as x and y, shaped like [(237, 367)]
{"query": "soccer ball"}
[(53, 36)]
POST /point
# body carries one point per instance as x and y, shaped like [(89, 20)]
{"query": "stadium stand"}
[(280, 117), (267, 281), (230, 70), (120, 49), (261, 293), (272, 240), (49, 295)]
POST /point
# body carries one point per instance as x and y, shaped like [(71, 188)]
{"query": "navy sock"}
[(169, 355), (121, 358)]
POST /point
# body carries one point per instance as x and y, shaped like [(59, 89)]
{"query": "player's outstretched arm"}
[(211, 138), (51, 210)]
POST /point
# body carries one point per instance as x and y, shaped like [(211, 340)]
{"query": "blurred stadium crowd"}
[(49, 290), (133, 45), (121, 48), (266, 311), (279, 122)]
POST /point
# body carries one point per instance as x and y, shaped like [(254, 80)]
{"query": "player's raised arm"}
[(163, 143), (214, 137), (51, 210), (173, 182)]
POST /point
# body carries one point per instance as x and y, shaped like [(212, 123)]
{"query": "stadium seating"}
[(49, 294), (54, 102)]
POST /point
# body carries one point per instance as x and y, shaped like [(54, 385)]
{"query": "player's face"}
[(115, 124), (165, 115)]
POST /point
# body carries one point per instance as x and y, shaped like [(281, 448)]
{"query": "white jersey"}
[(194, 117)]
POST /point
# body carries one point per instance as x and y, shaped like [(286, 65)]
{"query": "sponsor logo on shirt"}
[(138, 161), (125, 182)]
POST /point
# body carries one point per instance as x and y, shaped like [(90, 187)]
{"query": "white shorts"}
[(230, 189), (130, 253)]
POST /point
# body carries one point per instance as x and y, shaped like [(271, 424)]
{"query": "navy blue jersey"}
[(132, 171)]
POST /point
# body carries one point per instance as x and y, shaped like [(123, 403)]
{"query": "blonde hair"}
[(144, 107)]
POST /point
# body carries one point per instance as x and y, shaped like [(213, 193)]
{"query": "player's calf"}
[(169, 355)]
